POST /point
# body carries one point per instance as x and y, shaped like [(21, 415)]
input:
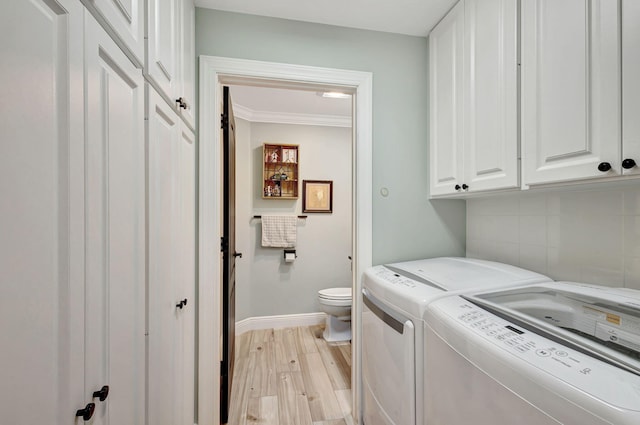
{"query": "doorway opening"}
[(214, 73), (285, 142)]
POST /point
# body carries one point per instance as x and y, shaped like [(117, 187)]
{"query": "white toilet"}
[(336, 303)]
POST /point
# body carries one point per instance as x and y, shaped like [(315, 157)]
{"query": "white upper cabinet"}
[(474, 98), (162, 47), (491, 94), (631, 87), (446, 50), (188, 63), (170, 56), (124, 19), (570, 90)]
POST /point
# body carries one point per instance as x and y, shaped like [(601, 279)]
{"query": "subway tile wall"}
[(590, 236)]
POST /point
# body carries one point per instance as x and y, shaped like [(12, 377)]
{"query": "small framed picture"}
[(317, 196)]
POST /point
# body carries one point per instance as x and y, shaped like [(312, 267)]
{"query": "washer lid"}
[(335, 293)]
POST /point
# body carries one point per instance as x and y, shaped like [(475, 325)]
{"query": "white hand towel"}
[(279, 231)]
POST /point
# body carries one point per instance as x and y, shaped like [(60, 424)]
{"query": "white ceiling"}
[(282, 101), (410, 17)]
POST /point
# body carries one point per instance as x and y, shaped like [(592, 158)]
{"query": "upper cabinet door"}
[(41, 213), (162, 48), (115, 230), (570, 89), (125, 18), (446, 50), (188, 62), (491, 94), (631, 86)]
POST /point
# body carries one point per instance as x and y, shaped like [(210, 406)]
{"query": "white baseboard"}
[(277, 322)]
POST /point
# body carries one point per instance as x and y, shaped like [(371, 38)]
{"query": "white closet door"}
[(162, 47), (186, 278), (126, 19), (631, 83), (446, 54), (491, 94), (41, 213), (115, 207), (570, 89), (165, 344)]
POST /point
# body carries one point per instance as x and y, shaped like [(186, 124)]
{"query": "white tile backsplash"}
[(588, 236)]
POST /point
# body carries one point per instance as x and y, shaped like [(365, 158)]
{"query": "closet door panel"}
[(165, 345), (41, 213), (115, 285), (187, 255), (188, 61), (570, 89)]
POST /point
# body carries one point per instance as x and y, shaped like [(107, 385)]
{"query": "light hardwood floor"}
[(290, 376)]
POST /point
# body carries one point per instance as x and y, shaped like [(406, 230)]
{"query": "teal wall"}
[(406, 225)]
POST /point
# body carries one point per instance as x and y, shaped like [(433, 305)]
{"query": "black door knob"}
[(628, 163), (184, 302), (464, 187), (604, 167), (457, 187), (102, 394), (180, 305), (87, 412), (237, 254)]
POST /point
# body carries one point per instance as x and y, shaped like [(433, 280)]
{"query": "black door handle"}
[(628, 163), (604, 167), (457, 187), (87, 412), (237, 254), (180, 305), (102, 394), (464, 187)]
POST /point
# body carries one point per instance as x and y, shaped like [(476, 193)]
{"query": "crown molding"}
[(251, 115)]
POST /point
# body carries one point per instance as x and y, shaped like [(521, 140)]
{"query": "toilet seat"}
[(342, 294)]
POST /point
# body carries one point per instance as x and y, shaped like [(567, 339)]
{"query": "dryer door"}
[(388, 365)]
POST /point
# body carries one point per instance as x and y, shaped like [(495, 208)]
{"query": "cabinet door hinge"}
[(224, 120)]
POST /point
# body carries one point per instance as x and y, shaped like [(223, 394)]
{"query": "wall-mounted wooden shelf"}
[(280, 171)]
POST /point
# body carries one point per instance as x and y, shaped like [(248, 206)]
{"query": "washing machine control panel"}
[(603, 380), (394, 278)]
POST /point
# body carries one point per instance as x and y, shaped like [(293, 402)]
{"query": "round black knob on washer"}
[(604, 167), (457, 187), (628, 163)]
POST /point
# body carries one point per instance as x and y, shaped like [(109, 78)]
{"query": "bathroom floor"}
[(290, 376)]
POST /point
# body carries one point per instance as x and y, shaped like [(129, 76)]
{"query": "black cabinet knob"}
[(184, 302), (464, 187), (87, 412), (102, 394), (604, 167), (457, 187), (628, 163), (181, 103), (180, 305), (237, 254)]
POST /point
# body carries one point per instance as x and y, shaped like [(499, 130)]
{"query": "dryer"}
[(560, 353), (395, 297)]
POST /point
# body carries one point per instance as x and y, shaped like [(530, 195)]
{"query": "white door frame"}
[(213, 71)]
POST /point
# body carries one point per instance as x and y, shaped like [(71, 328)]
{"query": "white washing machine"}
[(560, 353), (395, 297)]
